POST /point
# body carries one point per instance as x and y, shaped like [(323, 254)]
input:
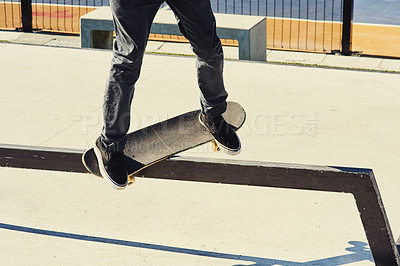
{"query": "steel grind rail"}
[(358, 181)]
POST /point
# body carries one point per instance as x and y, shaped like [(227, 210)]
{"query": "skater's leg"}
[(197, 23), (132, 21)]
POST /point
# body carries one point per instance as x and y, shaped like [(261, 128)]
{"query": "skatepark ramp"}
[(360, 182)]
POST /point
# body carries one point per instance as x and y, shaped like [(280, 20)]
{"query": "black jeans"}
[(132, 22)]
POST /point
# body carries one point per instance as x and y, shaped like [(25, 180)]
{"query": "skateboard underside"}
[(154, 143)]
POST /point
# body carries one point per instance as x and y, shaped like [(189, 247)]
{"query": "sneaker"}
[(112, 166), (223, 133)]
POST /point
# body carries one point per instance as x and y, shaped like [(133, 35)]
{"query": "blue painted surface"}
[(365, 11), (300, 9)]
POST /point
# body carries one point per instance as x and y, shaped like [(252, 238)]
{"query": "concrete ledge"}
[(358, 181), (97, 29), (250, 31)]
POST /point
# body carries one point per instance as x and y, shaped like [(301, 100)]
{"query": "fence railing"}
[(306, 25), (310, 25)]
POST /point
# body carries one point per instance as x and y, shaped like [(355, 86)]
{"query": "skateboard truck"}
[(131, 180), (215, 146)]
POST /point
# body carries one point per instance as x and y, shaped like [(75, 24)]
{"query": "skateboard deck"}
[(160, 141)]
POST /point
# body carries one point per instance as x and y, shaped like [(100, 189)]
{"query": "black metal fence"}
[(309, 25)]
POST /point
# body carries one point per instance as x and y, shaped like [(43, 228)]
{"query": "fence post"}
[(26, 11), (348, 7)]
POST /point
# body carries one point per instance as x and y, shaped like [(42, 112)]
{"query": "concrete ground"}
[(52, 96), (273, 56)]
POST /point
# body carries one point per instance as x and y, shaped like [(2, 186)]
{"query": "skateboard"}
[(162, 140)]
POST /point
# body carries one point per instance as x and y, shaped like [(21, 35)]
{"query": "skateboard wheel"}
[(215, 146), (131, 180)]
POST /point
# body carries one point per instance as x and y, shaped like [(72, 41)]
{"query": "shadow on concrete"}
[(359, 249)]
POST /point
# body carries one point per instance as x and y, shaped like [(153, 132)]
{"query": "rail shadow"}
[(359, 250)]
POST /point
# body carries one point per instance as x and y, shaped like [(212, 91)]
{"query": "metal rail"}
[(358, 181)]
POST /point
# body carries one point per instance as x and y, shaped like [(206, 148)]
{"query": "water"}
[(365, 11), (377, 11)]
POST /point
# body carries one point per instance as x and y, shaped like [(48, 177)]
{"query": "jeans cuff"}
[(113, 146)]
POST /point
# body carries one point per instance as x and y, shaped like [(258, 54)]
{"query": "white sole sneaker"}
[(103, 171), (226, 150), (229, 151)]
